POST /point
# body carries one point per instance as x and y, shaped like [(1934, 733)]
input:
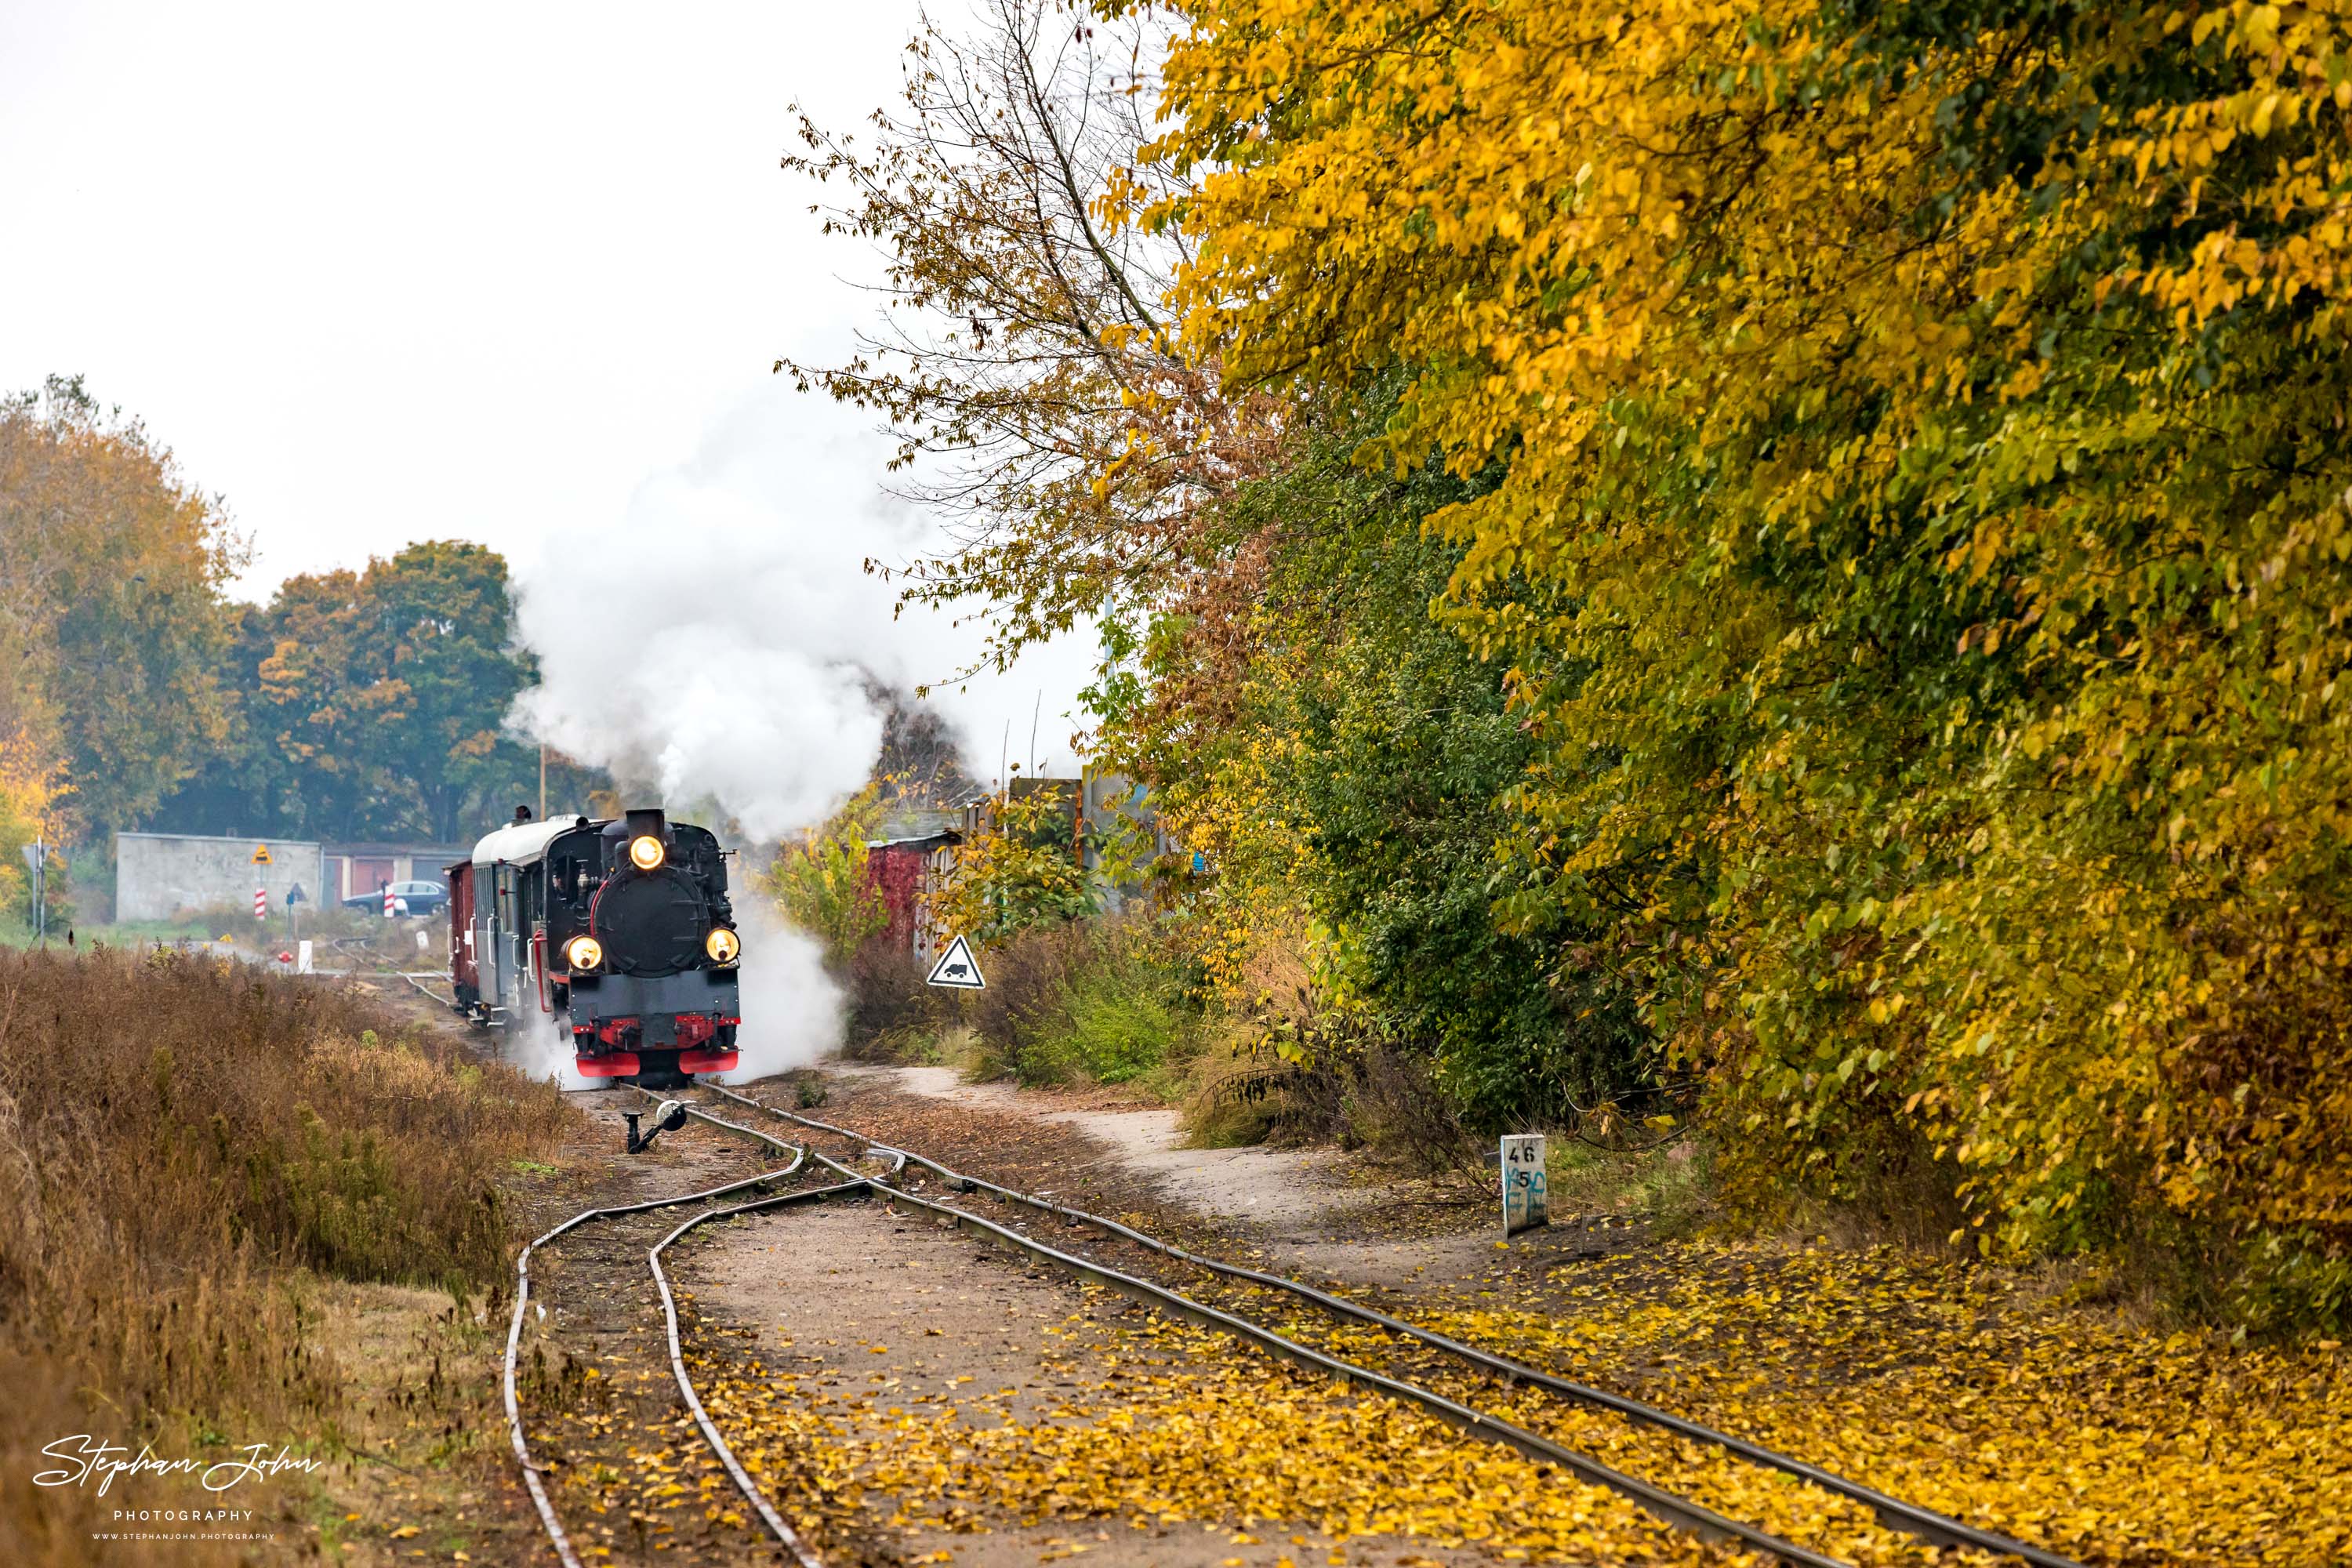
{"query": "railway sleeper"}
[(1894, 1513)]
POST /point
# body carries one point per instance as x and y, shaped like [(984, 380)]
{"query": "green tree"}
[(325, 705), (446, 610), (1362, 774), (371, 703)]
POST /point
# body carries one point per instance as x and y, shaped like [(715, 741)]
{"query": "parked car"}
[(408, 899)]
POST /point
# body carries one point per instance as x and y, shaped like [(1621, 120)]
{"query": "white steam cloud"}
[(792, 1009), (718, 641), (541, 1047)]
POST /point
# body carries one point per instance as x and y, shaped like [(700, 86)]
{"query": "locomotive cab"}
[(620, 932)]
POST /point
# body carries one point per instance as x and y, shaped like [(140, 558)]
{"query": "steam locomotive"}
[(618, 931)]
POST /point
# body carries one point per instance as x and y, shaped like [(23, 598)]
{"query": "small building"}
[(913, 855), (355, 868), (907, 865), (162, 876), (1114, 808)]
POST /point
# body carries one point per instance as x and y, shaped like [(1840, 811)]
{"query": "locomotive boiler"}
[(617, 932)]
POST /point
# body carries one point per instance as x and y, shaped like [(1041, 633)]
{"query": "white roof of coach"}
[(524, 842)]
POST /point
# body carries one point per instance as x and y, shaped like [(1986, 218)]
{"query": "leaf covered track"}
[(1114, 1416), (1966, 1390), (2104, 1443), (1688, 1469), (631, 1478)]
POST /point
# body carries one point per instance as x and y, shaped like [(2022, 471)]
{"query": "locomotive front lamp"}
[(721, 945), (584, 953), (645, 853)]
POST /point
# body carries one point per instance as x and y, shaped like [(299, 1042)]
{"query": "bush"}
[(889, 1000), (819, 883), (1106, 1001), (1349, 1087)]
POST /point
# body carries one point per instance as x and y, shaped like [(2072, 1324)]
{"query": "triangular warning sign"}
[(957, 969)]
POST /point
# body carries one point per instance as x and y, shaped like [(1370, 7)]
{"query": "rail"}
[(1912, 1519), (1676, 1510), (530, 1469)]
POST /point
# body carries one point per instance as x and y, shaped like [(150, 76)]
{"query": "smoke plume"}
[(722, 642), (792, 1009)]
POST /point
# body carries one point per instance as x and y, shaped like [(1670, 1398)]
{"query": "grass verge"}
[(192, 1157)]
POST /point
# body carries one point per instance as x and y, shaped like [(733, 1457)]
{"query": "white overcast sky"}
[(486, 271)]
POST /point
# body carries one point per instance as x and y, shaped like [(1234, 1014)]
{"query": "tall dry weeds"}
[(181, 1142)]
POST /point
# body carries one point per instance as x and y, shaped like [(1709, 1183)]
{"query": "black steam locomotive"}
[(618, 932)]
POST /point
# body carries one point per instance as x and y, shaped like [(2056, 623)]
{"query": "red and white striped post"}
[(387, 901), (261, 904)]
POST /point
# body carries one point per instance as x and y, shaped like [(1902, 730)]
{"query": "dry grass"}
[(1357, 1091), (181, 1143), (1671, 1187)]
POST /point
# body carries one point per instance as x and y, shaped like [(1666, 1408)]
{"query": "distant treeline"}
[(135, 694)]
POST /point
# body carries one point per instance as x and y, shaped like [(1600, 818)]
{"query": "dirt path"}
[(1257, 1186), (1310, 1212)]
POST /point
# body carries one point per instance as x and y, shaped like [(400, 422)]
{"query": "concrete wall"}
[(160, 875)]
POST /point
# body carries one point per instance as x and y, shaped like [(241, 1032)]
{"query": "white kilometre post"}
[(1526, 1195)]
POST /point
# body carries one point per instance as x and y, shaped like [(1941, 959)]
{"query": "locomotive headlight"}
[(584, 953), (645, 853), (722, 945)]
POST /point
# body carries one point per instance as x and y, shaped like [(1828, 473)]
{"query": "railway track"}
[(1674, 1509), (797, 1550)]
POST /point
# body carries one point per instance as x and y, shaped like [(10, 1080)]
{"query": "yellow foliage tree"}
[(1924, 548), (1021, 868), (112, 627), (28, 798)]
